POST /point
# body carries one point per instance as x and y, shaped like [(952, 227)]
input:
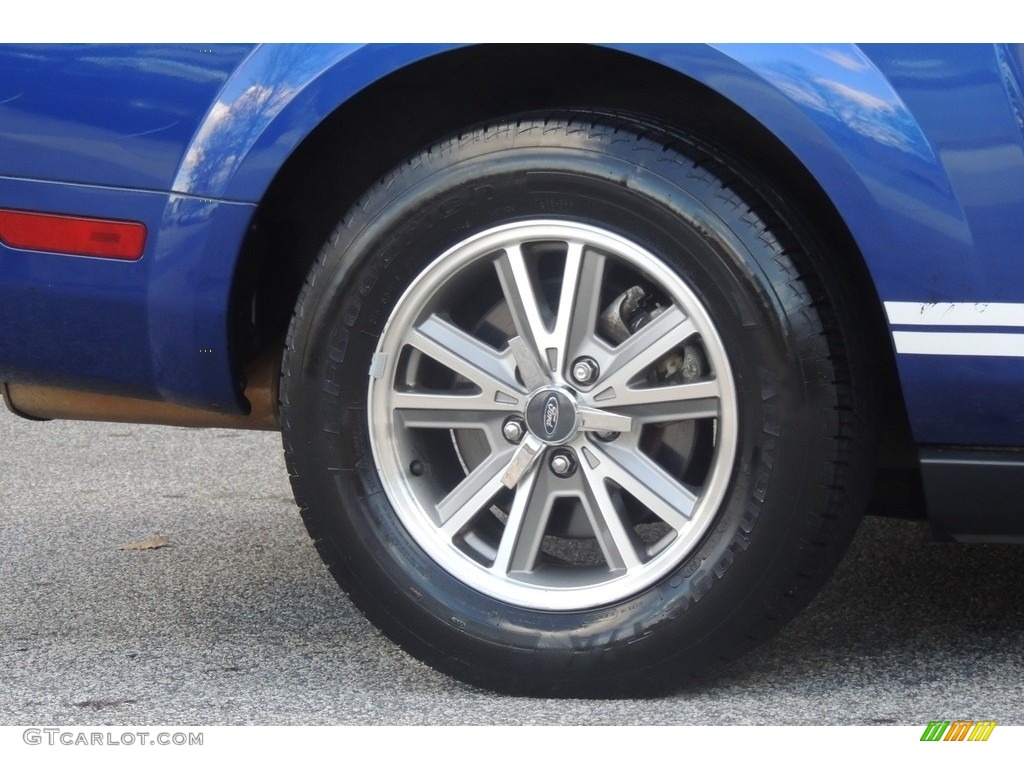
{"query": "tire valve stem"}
[(416, 467)]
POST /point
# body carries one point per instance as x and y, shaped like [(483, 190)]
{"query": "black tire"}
[(710, 243)]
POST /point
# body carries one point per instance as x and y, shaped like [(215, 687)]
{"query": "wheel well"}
[(400, 114)]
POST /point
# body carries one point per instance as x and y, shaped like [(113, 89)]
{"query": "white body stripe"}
[(967, 315), (976, 344), (956, 314)]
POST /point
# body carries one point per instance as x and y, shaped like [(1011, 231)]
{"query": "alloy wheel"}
[(553, 415)]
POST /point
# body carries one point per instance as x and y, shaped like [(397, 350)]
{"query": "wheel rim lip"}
[(391, 467)]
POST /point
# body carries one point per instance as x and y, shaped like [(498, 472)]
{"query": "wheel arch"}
[(728, 95)]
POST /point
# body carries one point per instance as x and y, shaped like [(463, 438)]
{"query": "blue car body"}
[(917, 149)]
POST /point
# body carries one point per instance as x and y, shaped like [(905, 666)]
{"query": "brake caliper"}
[(632, 310)]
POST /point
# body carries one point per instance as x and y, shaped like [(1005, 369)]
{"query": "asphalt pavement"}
[(236, 621)]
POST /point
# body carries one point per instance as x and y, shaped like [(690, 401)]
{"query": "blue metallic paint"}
[(133, 328), (189, 289), (74, 320), (271, 103), (138, 329), (919, 148), (115, 115)]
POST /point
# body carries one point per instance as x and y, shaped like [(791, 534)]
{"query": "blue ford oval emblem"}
[(550, 415)]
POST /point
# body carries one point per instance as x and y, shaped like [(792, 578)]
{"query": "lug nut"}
[(585, 370), (562, 463), (513, 430)]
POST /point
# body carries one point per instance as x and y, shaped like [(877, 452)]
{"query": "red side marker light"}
[(73, 235)]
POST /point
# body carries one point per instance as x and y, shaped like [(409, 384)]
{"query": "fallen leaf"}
[(152, 543)]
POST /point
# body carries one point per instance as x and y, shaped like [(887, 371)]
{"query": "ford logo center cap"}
[(551, 416)]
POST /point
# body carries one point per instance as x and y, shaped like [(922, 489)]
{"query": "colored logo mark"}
[(550, 415), (958, 730)]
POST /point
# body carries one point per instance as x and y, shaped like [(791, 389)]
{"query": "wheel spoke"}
[(517, 285), (646, 481), (577, 313), (619, 544), (466, 356), (578, 304), (524, 531), (443, 411), (467, 498), (596, 420), (675, 402), (530, 369)]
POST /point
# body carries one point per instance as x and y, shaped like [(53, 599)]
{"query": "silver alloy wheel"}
[(612, 482)]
